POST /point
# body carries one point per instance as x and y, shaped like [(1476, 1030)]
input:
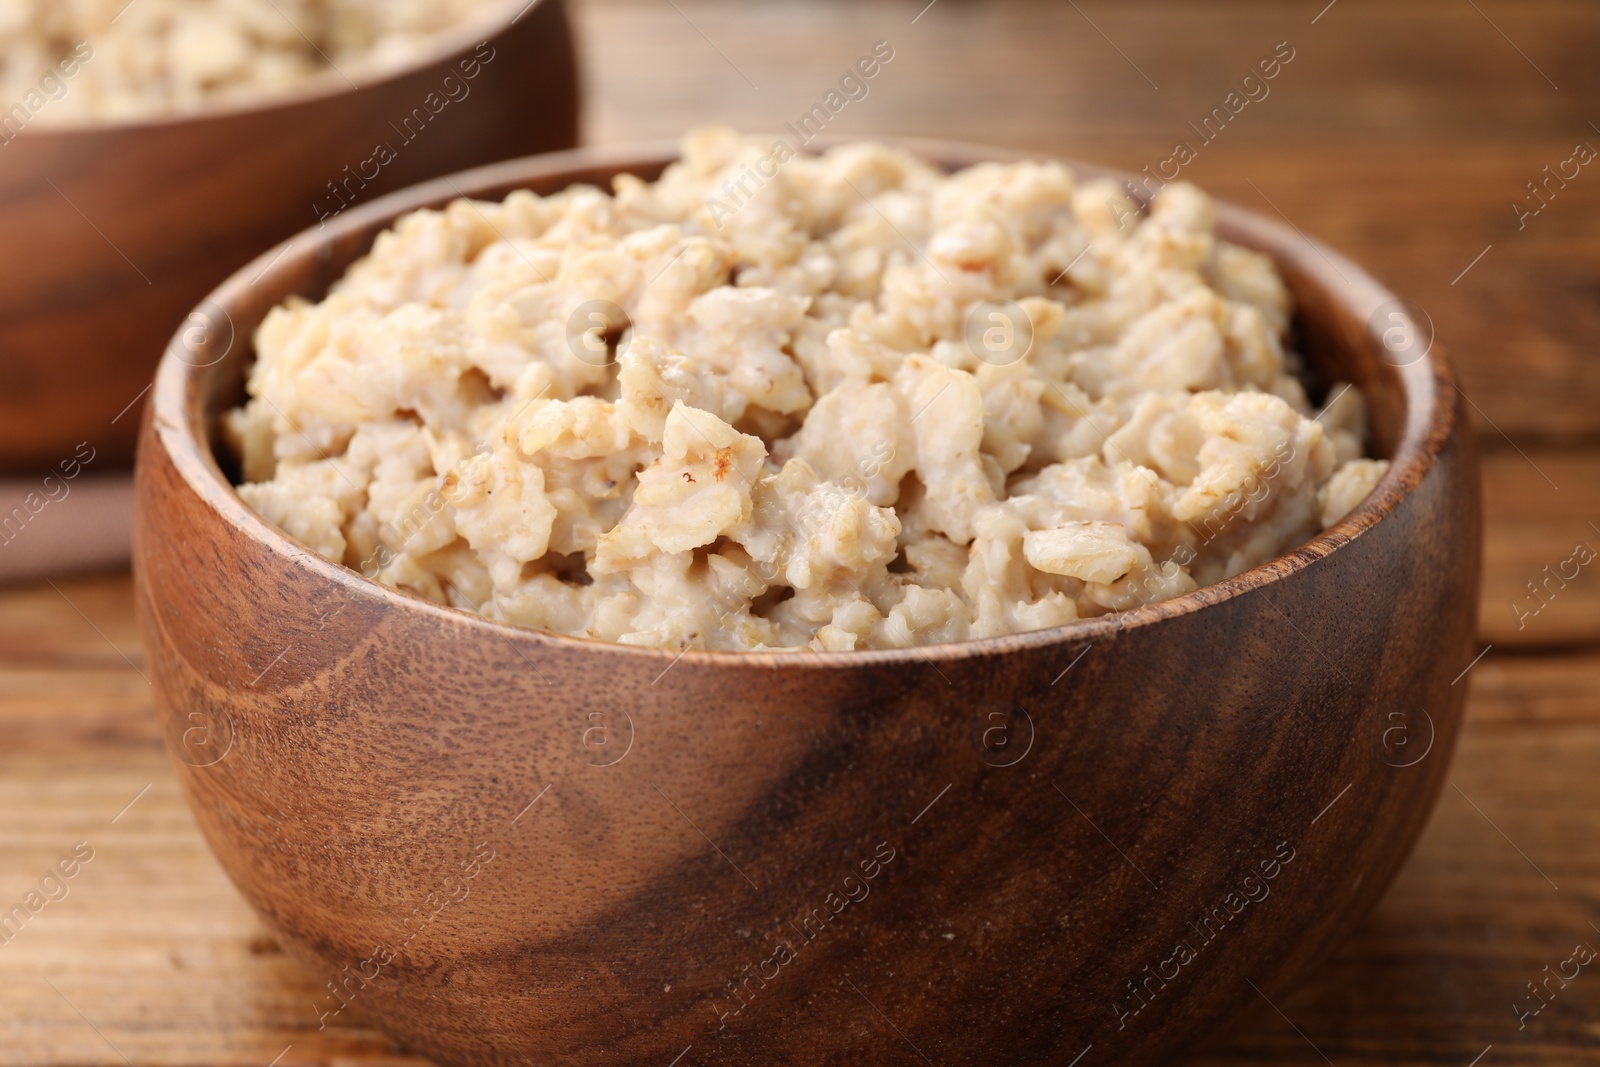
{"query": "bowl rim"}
[(174, 418), (494, 20)]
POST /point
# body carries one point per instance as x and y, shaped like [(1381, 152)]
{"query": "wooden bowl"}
[(111, 233), (1104, 840)]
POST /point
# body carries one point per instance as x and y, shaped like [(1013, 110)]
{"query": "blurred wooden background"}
[(1400, 133)]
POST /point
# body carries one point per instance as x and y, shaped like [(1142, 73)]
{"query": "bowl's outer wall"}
[(110, 235), (351, 756)]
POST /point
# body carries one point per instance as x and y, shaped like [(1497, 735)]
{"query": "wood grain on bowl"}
[(110, 234), (504, 846)]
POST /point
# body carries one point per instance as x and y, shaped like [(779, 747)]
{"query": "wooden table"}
[(1400, 133)]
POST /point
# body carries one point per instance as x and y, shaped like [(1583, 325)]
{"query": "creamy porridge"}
[(777, 401), (112, 59)]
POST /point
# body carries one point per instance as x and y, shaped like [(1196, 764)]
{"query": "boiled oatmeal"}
[(116, 59), (779, 401)]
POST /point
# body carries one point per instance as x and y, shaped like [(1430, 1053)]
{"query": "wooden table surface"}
[(1401, 133)]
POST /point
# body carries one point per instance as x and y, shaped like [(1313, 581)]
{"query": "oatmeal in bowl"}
[(114, 60), (776, 400)]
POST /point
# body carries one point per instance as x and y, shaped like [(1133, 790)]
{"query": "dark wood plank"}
[(1543, 512)]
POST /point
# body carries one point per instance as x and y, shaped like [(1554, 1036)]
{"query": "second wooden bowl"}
[(110, 234), (1087, 845)]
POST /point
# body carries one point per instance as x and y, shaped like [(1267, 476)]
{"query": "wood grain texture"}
[(1538, 534), (358, 758), (110, 235), (158, 950)]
